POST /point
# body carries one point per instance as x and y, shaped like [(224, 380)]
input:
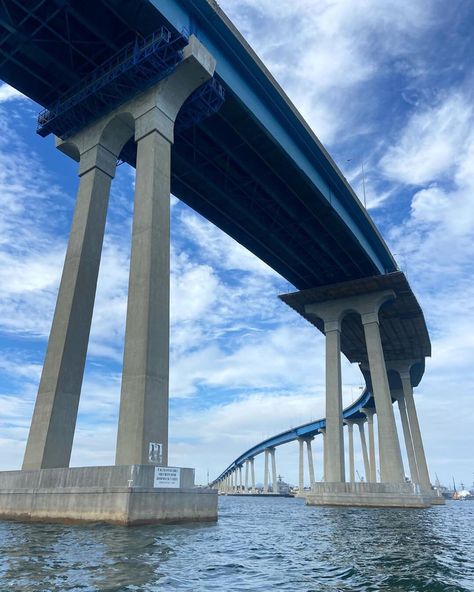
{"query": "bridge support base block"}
[(377, 495), (126, 495)]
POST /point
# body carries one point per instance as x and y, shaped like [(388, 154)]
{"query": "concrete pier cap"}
[(155, 108)]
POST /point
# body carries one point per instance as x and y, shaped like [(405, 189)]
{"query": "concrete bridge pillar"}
[(350, 431), (369, 412), (323, 432), (143, 417), (274, 471), (246, 476), (363, 444), (332, 313), (240, 479), (423, 474), (301, 466), (400, 398), (54, 419), (265, 475), (143, 423), (391, 465), (252, 473), (309, 452)]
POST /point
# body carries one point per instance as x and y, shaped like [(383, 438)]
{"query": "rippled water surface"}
[(258, 544)]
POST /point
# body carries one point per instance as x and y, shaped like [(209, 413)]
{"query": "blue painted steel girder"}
[(307, 430)]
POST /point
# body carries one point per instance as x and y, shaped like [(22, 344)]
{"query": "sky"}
[(384, 85)]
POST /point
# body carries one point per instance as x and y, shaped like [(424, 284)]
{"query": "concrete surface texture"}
[(123, 495), (143, 423)]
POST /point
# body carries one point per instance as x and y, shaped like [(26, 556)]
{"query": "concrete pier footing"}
[(126, 495), (378, 495)]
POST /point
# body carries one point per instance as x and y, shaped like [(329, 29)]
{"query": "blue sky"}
[(386, 83)]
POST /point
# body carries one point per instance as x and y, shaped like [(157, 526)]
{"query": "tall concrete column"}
[(334, 441), (143, 420), (309, 452), (350, 430), (323, 432), (247, 476), (391, 465), (240, 479), (265, 475), (369, 412), (423, 474), (407, 437), (54, 419), (363, 444), (274, 471), (252, 472), (301, 466)]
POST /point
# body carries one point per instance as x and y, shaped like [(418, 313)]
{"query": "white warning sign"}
[(167, 477)]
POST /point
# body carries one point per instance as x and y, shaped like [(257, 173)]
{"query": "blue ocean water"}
[(258, 544)]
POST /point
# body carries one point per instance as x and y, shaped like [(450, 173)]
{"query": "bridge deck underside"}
[(402, 325), (228, 168)]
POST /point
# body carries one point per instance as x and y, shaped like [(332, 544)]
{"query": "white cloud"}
[(341, 47), (8, 93), (432, 143)]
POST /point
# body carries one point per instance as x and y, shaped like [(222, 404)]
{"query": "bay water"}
[(257, 544)]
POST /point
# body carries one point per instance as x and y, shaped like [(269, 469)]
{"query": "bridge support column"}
[(350, 431), (252, 473), (301, 466), (265, 475), (391, 465), (336, 309), (246, 476), (334, 441), (369, 412), (54, 419), (423, 474), (143, 418), (309, 452), (400, 398), (274, 471), (363, 444), (143, 421), (323, 432), (240, 479)]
